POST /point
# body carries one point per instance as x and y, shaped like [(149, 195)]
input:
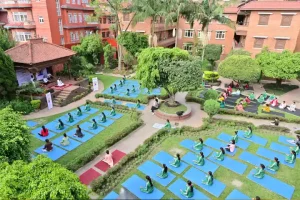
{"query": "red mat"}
[(88, 176), (117, 156), (61, 88)]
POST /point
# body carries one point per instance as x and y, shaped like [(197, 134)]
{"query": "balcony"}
[(21, 25), (241, 28), (76, 26), (15, 4), (29, 25), (163, 27), (77, 7), (167, 42)]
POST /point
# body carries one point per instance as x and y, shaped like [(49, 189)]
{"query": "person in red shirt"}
[(44, 132), (248, 101), (229, 89)]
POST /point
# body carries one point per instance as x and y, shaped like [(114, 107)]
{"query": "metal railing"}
[(242, 23)]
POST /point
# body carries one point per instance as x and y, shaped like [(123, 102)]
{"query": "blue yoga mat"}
[(134, 183), (230, 164), (131, 95), (112, 195), (85, 138), (38, 130), (65, 120), (281, 148), (181, 185), (85, 126), (79, 118), (283, 139), (216, 144), (255, 160), (255, 139), (117, 116), (107, 123), (151, 169), (237, 195), (73, 143), (133, 105), (197, 176), (110, 102), (55, 154), (267, 153), (52, 126), (164, 157), (227, 138), (208, 165), (273, 184), (31, 123), (92, 111), (188, 144)]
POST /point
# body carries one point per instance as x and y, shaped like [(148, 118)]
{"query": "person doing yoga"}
[(176, 162)]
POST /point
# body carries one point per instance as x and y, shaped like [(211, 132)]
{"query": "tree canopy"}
[(40, 179), (282, 66), (212, 52), (6, 41), (133, 42), (240, 68), (211, 107), (14, 136), (109, 61), (239, 52)]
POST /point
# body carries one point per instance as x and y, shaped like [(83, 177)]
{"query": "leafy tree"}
[(211, 94), (240, 68), (90, 47), (282, 66), (14, 136), (109, 57), (211, 107), (40, 179), (212, 52), (239, 52), (8, 79), (133, 42), (129, 60), (6, 41)]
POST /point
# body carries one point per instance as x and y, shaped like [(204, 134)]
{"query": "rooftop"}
[(272, 5)]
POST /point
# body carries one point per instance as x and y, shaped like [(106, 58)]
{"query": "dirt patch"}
[(176, 150), (237, 183)]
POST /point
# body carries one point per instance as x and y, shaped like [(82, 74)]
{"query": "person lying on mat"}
[(65, 140), (240, 107), (103, 118), (198, 145), (275, 122), (111, 90), (296, 148), (252, 96), (235, 137), (292, 107), (113, 111), (248, 133), (48, 146), (149, 186), (94, 125), (176, 162), (44, 132), (236, 93), (274, 165), (168, 125), (209, 179), (121, 83), (260, 171), (274, 102), (220, 155), (290, 158), (78, 132), (282, 105), (188, 191), (164, 172), (261, 99), (138, 104), (79, 112), (266, 108), (229, 89), (70, 118), (60, 83), (231, 146), (115, 87), (222, 104), (133, 89), (87, 106), (200, 159), (60, 125), (108, 158)]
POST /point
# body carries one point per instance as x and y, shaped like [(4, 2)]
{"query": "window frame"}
[(189, 33), (220, 33), (41, 19)]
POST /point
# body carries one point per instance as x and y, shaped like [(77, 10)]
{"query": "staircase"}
[(61, 97)]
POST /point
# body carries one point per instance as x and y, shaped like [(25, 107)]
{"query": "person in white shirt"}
[(282, 105), (45, 80), (236, 93), (155, 106), (292, 107), (60, 83)]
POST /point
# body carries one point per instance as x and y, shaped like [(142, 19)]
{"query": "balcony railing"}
[(15, 3), (242, 23), (166, 42), (25, 24)]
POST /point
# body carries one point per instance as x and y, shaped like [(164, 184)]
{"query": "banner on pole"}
[(95, 84), (49, 100)]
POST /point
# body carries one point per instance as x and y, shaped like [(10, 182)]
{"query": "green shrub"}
[(36, 104), (211, 107), (297, 132), (210, 76), (23, 107), (275, 128), (211, 94)]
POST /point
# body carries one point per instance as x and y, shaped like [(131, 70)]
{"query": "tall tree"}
[(6, 41)]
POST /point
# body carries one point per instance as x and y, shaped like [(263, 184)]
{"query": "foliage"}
[(210, 76), (6, 41), (239, 52), (109, 60), (40, 179), (36, 104), (79, 66), (14, 137), (212, 52), (193, 96), (22, 106), (275, 128), (297, 132), (282, 66), (239, 67), (172, 110), (80, 96), (273, 88), (206, 66), (128, 59), (30, 89), (90, 47), (211, 94), (211, 107), (8, 79), (133, 42)]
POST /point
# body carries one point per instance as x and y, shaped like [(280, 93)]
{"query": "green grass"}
[(251, 189), (272, 88), (286, 115), (106, 80), (172, 110)]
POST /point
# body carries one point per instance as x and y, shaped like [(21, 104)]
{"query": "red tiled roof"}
[(271, 5), (36, 51), (231, 10)]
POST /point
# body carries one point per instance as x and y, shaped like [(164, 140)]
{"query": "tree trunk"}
[(171, 95), (152, 31), (204, 41), (278, 82), (177, 27), (195, 40), (119, 57)]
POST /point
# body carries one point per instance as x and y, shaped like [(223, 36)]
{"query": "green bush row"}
[(275, 128), (22, 106)]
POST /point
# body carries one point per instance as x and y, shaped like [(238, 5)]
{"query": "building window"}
[(111, 20), (67, 1), (103, 34), (85, 16), (62, 41), (20, 16), (75, 18), (200, 34), (81, 34), (104, 20), (85, 1), (86, 33), (80, 18), (107, 34), (280, 44), (72, 35), (188, 33), (41, 19), (286, 20), (263, 19), (73, 1), (258, 42), (220, 35), (78, 2), (22, 36), (188, 46), (126, 17), (70, 17), (60, 26), (58, 7), (77, 36)]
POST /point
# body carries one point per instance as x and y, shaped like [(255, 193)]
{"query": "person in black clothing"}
[(276, 122), (78, 132)]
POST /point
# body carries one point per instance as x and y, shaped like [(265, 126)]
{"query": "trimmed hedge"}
[(275, 128), (297, 132)]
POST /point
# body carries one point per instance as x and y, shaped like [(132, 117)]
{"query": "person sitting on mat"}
[(231, 84), (231, 146), (115, 87), (113, 111), (120, 83), (70, 118), (274, 102), (138, 104), (222, 104), (209, 179), (292, 107), (198, 145), (168, 124), (247, 100), (44, 132), (290, 158), (78, 132), (296, 148), (296, 141), (188, 191), (103, 118), (155, 106), (60, 83), (266, 108), (124, 79), (133, 89), (108, 158), (113, 101), (274, 165), (221, 98), (111, 90), (272, 97), (248, 133), (265, 95), (240, 107), (48, 146), (282, 105), (261, 99), (65, 140), (235, 137), (276, 122), (94, 125), (79, 112), (252, 96), (127, 92), (87, 106), (225, 95), (60, 125), (260, 171), (149, 186), (220, 155), (200, 159), (176, 161), (246, 87), (229, 89), (164, 172), (236, 93)]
